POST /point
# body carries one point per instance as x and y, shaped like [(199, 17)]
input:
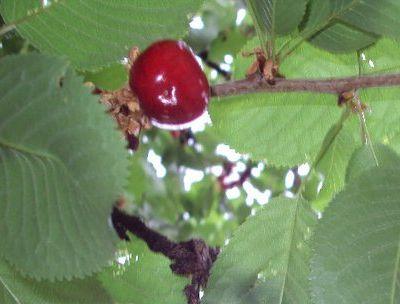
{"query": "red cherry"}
[(170, 85)]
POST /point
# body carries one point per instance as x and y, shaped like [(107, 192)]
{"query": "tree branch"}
[(192, 258), (332, 86)]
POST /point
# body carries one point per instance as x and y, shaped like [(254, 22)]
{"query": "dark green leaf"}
[(142, 277), (95, 33), (380, 17), (62, 166), (341, 38), (14, 289), (108, 78), (277, 17)]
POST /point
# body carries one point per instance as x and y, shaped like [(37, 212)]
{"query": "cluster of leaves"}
[(63, 163)]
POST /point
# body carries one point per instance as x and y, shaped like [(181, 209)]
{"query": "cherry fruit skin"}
[(170, 85)]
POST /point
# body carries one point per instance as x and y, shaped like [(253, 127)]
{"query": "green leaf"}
[(334, 161), (383, 114), (109, 78), (356, 244), (94, 33), (142, 277), (140, 177), (379, 17), (382, 103), (363, 159), (12, 43), (382, 106), (341, 38), (201, 198), (346, 25), (266, 261), (330, 34), (62, 165), (229, 42), (383, 57), (277, 17), (284, 128), (217, 16), (14, 289), (320, 14), (272, 178)]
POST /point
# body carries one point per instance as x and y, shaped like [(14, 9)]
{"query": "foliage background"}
[(316, 221)]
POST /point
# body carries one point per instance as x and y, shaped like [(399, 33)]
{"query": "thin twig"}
[(330, 86)]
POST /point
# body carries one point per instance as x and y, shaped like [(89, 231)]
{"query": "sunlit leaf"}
[(266, 261), (383, 114), (382, 57), (339, 144), (284, 128)]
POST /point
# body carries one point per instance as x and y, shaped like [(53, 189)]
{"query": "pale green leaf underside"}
[(357, 244), (384, 114), (363, 159), (62, 165), (93, 33), (383, 105), (140, 276), (333, 164), (382, 57), (284, 128), (266, 261), (14, 289)]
